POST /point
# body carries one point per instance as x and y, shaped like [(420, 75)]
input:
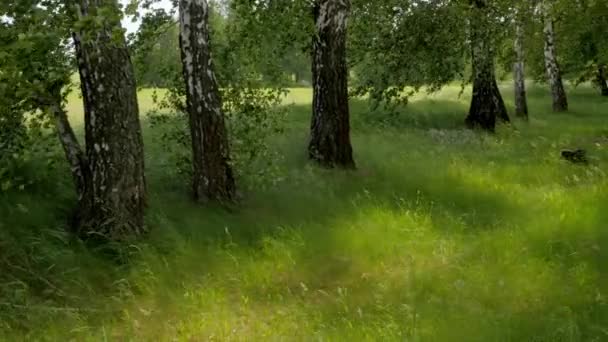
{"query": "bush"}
[(24, 139), (253, 116)]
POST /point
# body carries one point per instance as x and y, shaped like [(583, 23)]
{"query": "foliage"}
[(274, 37), (13, 137), (430, 33), (258, 49), (251, 106), (581, 26), (155, 50), (24, 143), (254, 116), (382, 33), (34, 69), (579, 38)]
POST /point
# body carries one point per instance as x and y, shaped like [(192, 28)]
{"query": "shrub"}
[(253, 116)]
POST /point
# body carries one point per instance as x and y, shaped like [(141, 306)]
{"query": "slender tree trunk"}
[(212, 173), (601, 80), (487, 104), (112, 206), (560, 101), (521, 104), (330, 143), (73, 152)]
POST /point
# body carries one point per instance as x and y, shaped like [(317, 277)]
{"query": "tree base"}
[(522, 115), (560, 105), (342, 160), (220, 188), (487, 107), (97, 223), (601, 81)]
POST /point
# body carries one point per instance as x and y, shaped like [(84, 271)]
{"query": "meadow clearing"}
[(441, 234)]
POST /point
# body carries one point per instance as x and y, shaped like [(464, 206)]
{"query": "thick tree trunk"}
[(330, 143), (112, 206), (519, 76), (554, 75), (487, 104), (601, 80), (212, 173)]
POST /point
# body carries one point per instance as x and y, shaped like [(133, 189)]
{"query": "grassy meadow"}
[(441, 234)]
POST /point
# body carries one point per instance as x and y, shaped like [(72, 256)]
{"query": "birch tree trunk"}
[(560, 101), (487, 104), (519, 76), (114, 198), (330, 143), (71, 147), (212, 173), (601, 80)]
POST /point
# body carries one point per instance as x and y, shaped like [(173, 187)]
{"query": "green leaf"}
[(6, 185)]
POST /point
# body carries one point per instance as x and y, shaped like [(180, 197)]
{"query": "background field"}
[(442, 234)]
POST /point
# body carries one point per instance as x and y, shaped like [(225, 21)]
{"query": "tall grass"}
[(442, 234)]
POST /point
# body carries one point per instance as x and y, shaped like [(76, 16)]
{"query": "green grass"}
[(441, 234)]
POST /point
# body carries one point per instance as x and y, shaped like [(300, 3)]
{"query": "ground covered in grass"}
[(442, 234)]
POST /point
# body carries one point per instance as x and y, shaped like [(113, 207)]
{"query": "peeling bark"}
[(554, 75), (330, 143), (212, 173), (112, 206), (487, 104), (521, 104)]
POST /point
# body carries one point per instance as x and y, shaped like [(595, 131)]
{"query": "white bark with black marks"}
[(519, 76), (330, 143), (114, 198), (554, 75), (71, 147), (212, 176)]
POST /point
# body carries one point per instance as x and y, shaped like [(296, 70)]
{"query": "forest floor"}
[(442, 234)]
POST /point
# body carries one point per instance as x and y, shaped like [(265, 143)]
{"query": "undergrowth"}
[(441, 234)]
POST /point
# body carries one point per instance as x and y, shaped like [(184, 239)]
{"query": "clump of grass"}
[(440, 235)]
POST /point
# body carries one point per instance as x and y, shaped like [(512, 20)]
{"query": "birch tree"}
[(108, 172), (600, 80), (487, 104), (519, 75), (212, 176), (330, 143), (554, 74), (113, 197)]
